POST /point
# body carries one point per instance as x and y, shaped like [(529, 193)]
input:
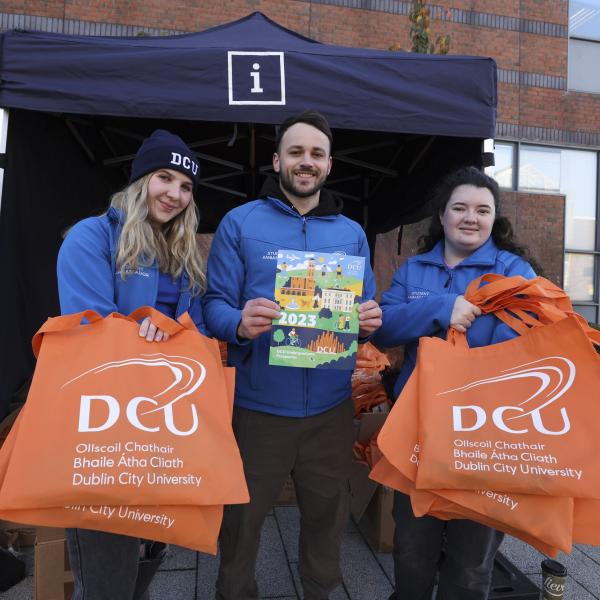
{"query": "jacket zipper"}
[(448, 283), (305, 371)]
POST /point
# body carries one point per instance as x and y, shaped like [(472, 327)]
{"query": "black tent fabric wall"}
[(37, 205)]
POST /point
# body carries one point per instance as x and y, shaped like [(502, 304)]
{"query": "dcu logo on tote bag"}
[(187, 376), (554, 375)]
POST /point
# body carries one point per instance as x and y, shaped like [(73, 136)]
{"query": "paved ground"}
[(368, 575)]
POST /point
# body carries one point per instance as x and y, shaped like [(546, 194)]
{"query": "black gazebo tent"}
[(79, 107)]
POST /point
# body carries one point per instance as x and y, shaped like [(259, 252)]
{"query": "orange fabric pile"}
[(367, 388)]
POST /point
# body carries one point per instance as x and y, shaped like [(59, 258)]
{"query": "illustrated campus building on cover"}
[(319, 294)]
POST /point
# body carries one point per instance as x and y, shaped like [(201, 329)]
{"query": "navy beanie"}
[(164, 150)]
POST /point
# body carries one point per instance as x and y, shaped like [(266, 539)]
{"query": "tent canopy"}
[(401, 120), (208, 76), (80, 107)]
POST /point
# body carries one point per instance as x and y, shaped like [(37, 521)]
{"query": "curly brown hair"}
[(502, 230)]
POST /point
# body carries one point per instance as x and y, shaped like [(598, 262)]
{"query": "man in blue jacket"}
[(286, 420)]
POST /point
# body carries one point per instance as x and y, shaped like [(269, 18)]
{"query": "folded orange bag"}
[(544, 522)]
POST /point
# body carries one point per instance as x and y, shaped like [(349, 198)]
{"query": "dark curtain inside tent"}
[(37, 206)]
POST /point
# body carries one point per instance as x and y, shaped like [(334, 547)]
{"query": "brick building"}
[(548, 126)]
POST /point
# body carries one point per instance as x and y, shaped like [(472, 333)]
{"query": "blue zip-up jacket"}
[(88, 277), (422, 295), (241, 267)]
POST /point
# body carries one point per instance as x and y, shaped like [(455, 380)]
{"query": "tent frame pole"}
[(4, 115)]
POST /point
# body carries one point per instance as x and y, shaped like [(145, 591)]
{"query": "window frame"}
[(517, 148), (581, 85), (595, 302)]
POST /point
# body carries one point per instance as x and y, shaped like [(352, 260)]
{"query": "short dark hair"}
[(310, 117)]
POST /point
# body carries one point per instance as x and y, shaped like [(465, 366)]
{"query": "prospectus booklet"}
[(319, 294)]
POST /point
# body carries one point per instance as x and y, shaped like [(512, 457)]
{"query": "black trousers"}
[(317, 451), (108, 566), (465, 567)]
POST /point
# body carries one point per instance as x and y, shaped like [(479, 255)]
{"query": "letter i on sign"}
[(256, 89)]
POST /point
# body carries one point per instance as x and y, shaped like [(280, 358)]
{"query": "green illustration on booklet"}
[(319, 294)]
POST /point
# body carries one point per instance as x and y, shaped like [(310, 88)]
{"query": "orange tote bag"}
[(544, 518), (586, 522), (424, 502), (529, 517), (513, 417), (114, 420), (188, 526), (398, 438), (518, 514), (194, 527)]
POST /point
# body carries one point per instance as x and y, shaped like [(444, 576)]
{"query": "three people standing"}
[(296, 422)]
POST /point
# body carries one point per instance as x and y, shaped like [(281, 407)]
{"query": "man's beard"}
[(288, 186)]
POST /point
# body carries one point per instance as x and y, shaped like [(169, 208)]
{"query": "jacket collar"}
[(329, 203), (484, 256), (115, 215)]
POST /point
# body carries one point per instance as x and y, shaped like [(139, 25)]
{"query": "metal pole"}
[(3, 134)]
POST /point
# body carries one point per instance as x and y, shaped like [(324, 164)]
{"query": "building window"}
[(573, 173), (576, 175), (578, 182), (579, 276), (584, 45), (539, 169), (503, 170), (584, 19)]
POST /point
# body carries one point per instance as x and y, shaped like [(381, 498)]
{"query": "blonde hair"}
[(172, 246)]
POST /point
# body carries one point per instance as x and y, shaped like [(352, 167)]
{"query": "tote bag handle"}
[(525, 303), (62, 323), (71, 321), (163, 322)]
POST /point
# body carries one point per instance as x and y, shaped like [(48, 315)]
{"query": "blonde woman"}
[(141, 252)]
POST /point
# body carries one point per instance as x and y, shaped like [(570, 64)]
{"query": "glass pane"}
[(584, 19), (579, 276), (539, 168), (582, 68), (578, 184), (502, 171), (590, 313)]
